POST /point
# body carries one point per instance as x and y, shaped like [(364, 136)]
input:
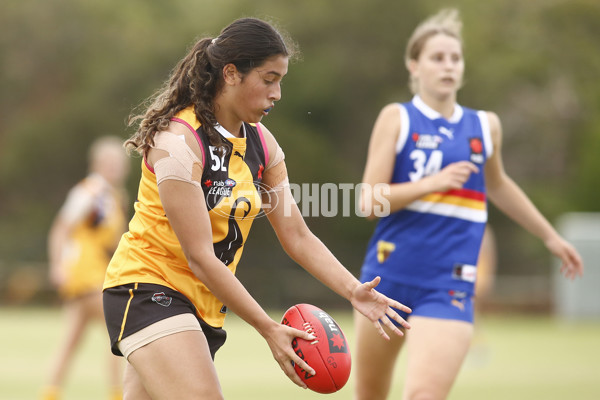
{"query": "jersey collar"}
[(432, 114), (226, 134)]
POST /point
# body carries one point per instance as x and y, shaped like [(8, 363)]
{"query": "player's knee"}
[(203, 392), (137, 393), (369, 395), (370, 392), (423, 394), (198, 390)]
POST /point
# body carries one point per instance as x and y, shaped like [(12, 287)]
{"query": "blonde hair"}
[(103, 144), (447, 21)]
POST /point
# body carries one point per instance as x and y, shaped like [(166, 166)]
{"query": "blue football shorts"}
[(427, 302)]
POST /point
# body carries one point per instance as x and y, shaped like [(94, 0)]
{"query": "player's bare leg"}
[(436, 349), (133, 389), (77, 320), (93, 307), (115, 368), (177, 366), (374, 360)]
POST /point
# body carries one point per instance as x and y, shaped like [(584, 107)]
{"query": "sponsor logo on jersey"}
[(464, 272), (476, 147), (458, 294), (384, 249), (229, 182), (426, 141), (460, 304), (449, 133), (220, 188), (162, 299), (459, 299)]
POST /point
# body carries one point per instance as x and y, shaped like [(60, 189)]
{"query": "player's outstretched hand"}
[(379, 308), (571, 262), (279, 338)]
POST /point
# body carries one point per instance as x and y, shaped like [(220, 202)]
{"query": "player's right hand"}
[(279, 339), (453, 176)]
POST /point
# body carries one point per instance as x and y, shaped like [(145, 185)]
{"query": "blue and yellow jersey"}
[(434, 241), (150, 251)]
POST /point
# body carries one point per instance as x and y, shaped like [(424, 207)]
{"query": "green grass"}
[(513, 357)]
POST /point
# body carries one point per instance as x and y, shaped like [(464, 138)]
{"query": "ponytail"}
[(198, 78)]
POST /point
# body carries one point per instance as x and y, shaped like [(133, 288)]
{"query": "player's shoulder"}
[(269, 139), (390, 114), (187, 116), (92, 185), (492, 118), (389, 122), (391, 110), (494, 126)]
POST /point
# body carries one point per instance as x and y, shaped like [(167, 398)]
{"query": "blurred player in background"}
[(206, 155), (81, 242), (442, 162)]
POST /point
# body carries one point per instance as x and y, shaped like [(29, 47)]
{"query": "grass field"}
[(514, 357)]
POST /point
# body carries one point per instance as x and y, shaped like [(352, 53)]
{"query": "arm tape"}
[(278, 182), (277, 158), (281, 185), (179, 165)]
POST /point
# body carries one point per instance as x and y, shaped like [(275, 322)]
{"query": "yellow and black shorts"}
[(139, 313)]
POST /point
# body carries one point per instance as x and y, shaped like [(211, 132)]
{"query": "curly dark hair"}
[(197, 79)]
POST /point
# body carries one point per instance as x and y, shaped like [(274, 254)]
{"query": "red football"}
[(328, 354)]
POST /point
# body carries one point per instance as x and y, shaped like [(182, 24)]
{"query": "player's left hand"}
[(571, 262), (379, 308)]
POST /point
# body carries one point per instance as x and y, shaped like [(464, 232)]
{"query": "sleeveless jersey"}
[(94, 238), (150, 251), (434, 242)]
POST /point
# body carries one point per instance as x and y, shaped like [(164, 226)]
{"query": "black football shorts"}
[(132, 307)]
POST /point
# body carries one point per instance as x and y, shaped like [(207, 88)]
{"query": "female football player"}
[(205, 157), (442, 162), (81, 241)]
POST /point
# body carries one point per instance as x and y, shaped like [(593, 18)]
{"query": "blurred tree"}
[(74, 70)]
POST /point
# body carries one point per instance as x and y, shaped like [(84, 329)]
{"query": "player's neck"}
[(442, 104)]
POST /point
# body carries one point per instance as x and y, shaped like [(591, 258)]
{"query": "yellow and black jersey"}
[(150, 251), (94, 237)]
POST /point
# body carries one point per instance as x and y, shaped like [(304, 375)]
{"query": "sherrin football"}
[(328, 354)]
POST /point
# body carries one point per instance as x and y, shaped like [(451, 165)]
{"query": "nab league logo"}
[(426, 141), (162, 299), (220, 188), (459, 299)]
